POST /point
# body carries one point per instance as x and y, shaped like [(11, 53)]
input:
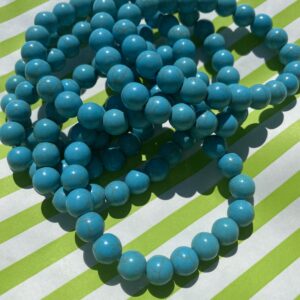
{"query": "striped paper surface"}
[(41, 258)]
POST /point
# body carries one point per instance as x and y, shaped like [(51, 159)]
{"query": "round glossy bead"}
[(183, 117), (7, 99), (242, 212), (46, 181), (12, 82), (241, 97), (242, 186), (113, 159), (100, 38), (206, 124), (90, 115), (214, 146), (130, 144), (82, 8), (102, 20), (59, 200), (65, 14), (148, 8), (227, 124), (189, 19), (37, 33), (166, 22), (214, 43), (98, 196), (166, 53), (261, 25), (19, 159), (89, 227), (289, 53), (117, 193), (106, 58), (187, 66), (132, 46), (157, 169), (77, 153), (135, 96), (184, 260), (132, 265), (261, 96), (159, 270), (80, 133), (68, 104), (193, 90), (150, 46), (74, 177), (130, 12), (69, 45), (290, 81), (184, 48), (79, 202), (118, 77), (27, 92), (82, 30), (222, 58), (206, 246), (203, 76), (18, 111), (20, 67), (294, 68), (12, 134), (203, 29), (244, 15), (107, 6), (46, 155), (47, 20), (158, 110), (45, 130), (278, 91), (226, 8), (115, 122), (178, 32), (218, 95), (170, 79), (49, 87), (228, 75), (107, 249), (36, 69), (85, 76), (276, 38), (122, 29), (226, 231), (56, 59), (171, 152), (183, 139), (148, 63), (230, 165), (137, 182)]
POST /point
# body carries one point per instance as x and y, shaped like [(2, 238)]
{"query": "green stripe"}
[(264, 271), (12, 44)]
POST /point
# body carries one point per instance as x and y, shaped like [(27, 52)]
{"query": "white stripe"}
[(6, 2), (284, 286)]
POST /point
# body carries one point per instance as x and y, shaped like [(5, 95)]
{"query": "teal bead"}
[(167, 6), (148, 63), (115, 122), (130, 11), (46, 181), (90, 116), (56, 59), (184, 48), (218, 95), (89, 227), (79, 133), (206, 6), (65, 14), (203, 76), (18, 111), (19, 159), (206, 124), (82, 30), (132, 265), (242, 186), (107, 249), (27, 92), (148, 8), (171, 152), (118, 77), (242, 212), (70, 85), (290, 81), (183, 139), (289, 53), (47, 20), (36, 69), (184, 260), (52, 114), (138, 182), (294, 68), (122, 29), (12, 133), (12, 82), (98, 196), (159, 270), (7, 99), (74, 177), (278, 91), (137, 119), (37, 33), (79, 202), (178, 32), (49, 87), (77, 153), (227, 124), (106, 58), (183, 117), (170, 79), (145, 133), (113, 159), (241, 97), (189, 19), (230, 165), (85, 76), (69, 45), (261, 25), (241, 116), (193, 90), (226, 8), (68, 104), (100, 38), (102, 20), (132, 46), (145, 32), (166, 53), (261, 96), (228, 75), (213, 43), (203, 28), (222, 58), (59, 200), (101, 141), (276, 38), (46, 155), (82, 8), (117, 193), (166, 22), (186, 6), (95, 167), (157, 110), (214, 146), (226, 231), (150, 46), (20, 67), (157, 169), (107, 6), (130, 144), (187, 66), (244, 15), (135, 96), (114, 102), (206, 246)]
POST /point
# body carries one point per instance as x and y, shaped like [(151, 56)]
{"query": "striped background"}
[(41, 258)]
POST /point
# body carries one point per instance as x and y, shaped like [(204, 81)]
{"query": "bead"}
[(218, 95), (187, 66), (206, 124), (206, 6), (12, 83), (228, 75), (46, 181), (261, 96), (90, 116), (49, 87), (79, 133), (74, 177), (89, 227), (227, 124), (186, 6), (154, 20), (183, 139), (294, 68), (290, 81), (166, 53), (100, 38), (222, 58), (102, 140), (37, 33), (52, 114), (171, 152), (19, 159), (46, 155), (226, 8), (159, 270), (242, 212), (12, 134), (242, 186), (115, 122), (47, 20), (114, 102), (145, 133), (102, 20), (170, 79), (18, 111), (132, 46), (278, 91), (77, 153), (226, 231), (241, 97), (7, 99), (289, 53), (193, 90), (137, 119), (148, 63), (135, 96), (145, 32), (148, 8), (184, 48), (157, 110), (213, 43), (27, 92), (59, 200), (276, 38), (132, 265), (85, 76), (69, 45), (137, 182), (36, 69), (68, 104), (203, 29), (117, 193), (157, 169), (20, 67), (131, 12), (118, 77), (113, 159), (183, 117), (184, 260), (82, 30), (106, 58), (167, 6), (130, 144), (244, 15), (206, 246), (230, 165), (166, 22), (122, 29), (203, 76), (56, 59), (98, 196), (79, 202), (95, 167), (82, 8), (65, 14), (107, 6), (261, 25), (214, 146), (189, 19), (178, 32), (107, 249)]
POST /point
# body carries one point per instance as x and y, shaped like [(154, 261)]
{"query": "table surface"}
[(40, 256)]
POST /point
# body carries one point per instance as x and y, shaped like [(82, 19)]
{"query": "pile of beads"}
[(151, 79)]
